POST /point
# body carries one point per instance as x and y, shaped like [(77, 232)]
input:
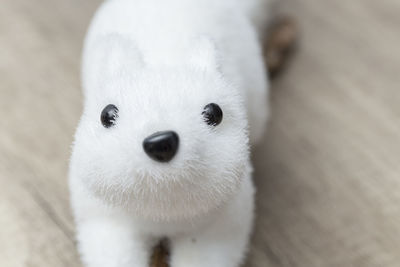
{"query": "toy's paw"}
[(160, 257), (280, 44)]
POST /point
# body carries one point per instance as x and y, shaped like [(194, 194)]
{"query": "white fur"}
[(160, 62)]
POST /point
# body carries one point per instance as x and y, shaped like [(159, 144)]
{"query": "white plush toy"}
[(174, 90)]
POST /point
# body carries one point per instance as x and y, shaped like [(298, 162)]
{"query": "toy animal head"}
[(167, 142)]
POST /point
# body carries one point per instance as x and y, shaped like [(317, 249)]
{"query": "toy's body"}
[(160, 63)]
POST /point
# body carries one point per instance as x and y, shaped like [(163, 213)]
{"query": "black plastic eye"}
[(109, 115), (212, 114)]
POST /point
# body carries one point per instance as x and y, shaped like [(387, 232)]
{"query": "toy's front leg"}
[(222, 244), (111, 242), (217, 247)]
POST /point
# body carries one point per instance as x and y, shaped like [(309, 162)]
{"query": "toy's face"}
[(166, 142)]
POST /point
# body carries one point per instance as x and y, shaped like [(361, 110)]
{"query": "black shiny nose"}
[(161, 146)]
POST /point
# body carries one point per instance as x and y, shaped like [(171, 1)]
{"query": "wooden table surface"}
[(328, 173)]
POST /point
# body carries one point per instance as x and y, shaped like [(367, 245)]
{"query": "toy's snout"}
[(161, 146)]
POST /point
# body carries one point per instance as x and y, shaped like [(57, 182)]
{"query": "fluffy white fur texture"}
[(160, 62)]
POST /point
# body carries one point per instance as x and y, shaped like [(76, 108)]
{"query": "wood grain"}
[(328, 171)]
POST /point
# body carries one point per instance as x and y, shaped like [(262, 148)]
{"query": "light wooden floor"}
[(328, 173)]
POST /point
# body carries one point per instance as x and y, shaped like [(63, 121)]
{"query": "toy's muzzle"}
[(161, 146)]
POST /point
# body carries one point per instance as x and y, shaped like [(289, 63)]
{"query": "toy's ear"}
[(204, 54), (108, 56)]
